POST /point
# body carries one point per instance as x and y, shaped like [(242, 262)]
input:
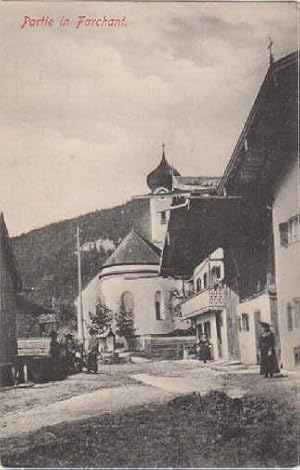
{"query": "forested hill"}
[(47, 259)]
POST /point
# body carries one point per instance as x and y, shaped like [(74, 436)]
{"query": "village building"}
[(10, 285), (264, 169), (204, 303), (257, 203)]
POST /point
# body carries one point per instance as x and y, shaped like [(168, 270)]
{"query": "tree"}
[(102, 319), (125, 325)]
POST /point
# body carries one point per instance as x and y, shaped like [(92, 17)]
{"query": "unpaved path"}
[(149, 388), (81, 407)]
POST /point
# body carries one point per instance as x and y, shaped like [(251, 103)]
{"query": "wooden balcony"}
[(205, 300)]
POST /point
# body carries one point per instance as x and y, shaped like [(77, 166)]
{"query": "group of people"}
[(268, 360), (67, 356)]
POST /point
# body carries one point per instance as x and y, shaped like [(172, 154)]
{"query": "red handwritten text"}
[(101, 22), (37, 22)]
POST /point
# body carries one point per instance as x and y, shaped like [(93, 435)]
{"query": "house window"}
[(289, 312), (158, 306), (163, 217), (293, 229), (289, 231), (245, 322), (297, 311), (283, 229), (205, 280), (198, 285), (200, 329)]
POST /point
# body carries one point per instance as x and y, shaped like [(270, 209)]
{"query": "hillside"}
[(47, 259)]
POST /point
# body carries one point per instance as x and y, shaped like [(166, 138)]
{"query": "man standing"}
[(269, 364), (93, 351)]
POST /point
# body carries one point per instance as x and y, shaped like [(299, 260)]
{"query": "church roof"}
[(134, 249), (162, 175)]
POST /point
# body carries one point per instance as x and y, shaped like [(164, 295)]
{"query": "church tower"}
[(160, 182)]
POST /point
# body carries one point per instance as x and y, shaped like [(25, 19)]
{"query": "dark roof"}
[(270, 134), (196, 230), (134, 249), (7, 255), (203, 184), (25, 306), (161, 177)]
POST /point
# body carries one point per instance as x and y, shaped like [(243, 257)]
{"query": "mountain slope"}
[(47, 256)]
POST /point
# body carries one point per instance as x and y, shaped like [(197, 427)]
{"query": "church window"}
[(289, 311), (127, 301), (158, 305), (205, 280), (163, 217), (198, 285)]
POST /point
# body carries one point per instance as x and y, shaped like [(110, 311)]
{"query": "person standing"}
[(204, 349), (55, 356), (93, 351), (269, 364), (70, 353)]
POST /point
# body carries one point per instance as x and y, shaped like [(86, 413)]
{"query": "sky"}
[(84, 111)]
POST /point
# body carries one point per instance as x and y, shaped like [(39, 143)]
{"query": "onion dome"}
[(161, 177)]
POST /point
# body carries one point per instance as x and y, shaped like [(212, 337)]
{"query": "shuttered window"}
[(284, 234)]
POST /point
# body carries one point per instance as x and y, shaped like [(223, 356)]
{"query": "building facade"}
[(10, 285), (204, 303), (255, 219), (286, 225)]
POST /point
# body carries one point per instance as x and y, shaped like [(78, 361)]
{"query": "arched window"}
[(127, 301), (289, 311), (205, 280), (215, 273), (158, 305), (198, 285)]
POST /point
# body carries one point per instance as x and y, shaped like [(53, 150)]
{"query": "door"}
[(257, 318), (219, 333)]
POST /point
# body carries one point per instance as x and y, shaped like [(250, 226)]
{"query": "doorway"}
[(219, 333), (257, 318)]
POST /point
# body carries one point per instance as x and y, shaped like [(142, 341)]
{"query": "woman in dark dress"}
[(204, 349), (269, 364)]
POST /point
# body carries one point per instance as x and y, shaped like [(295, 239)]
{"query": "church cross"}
[(270, 45)]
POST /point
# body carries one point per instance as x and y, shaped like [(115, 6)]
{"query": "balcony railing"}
[(208, 299)]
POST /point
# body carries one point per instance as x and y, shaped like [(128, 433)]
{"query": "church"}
[(130, 278)]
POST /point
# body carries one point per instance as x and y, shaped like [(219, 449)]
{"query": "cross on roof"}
[(270, 45)]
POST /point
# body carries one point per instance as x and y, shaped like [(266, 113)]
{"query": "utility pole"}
[(80, 328)]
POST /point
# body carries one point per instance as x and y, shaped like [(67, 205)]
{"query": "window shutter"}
[(283, 228)]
